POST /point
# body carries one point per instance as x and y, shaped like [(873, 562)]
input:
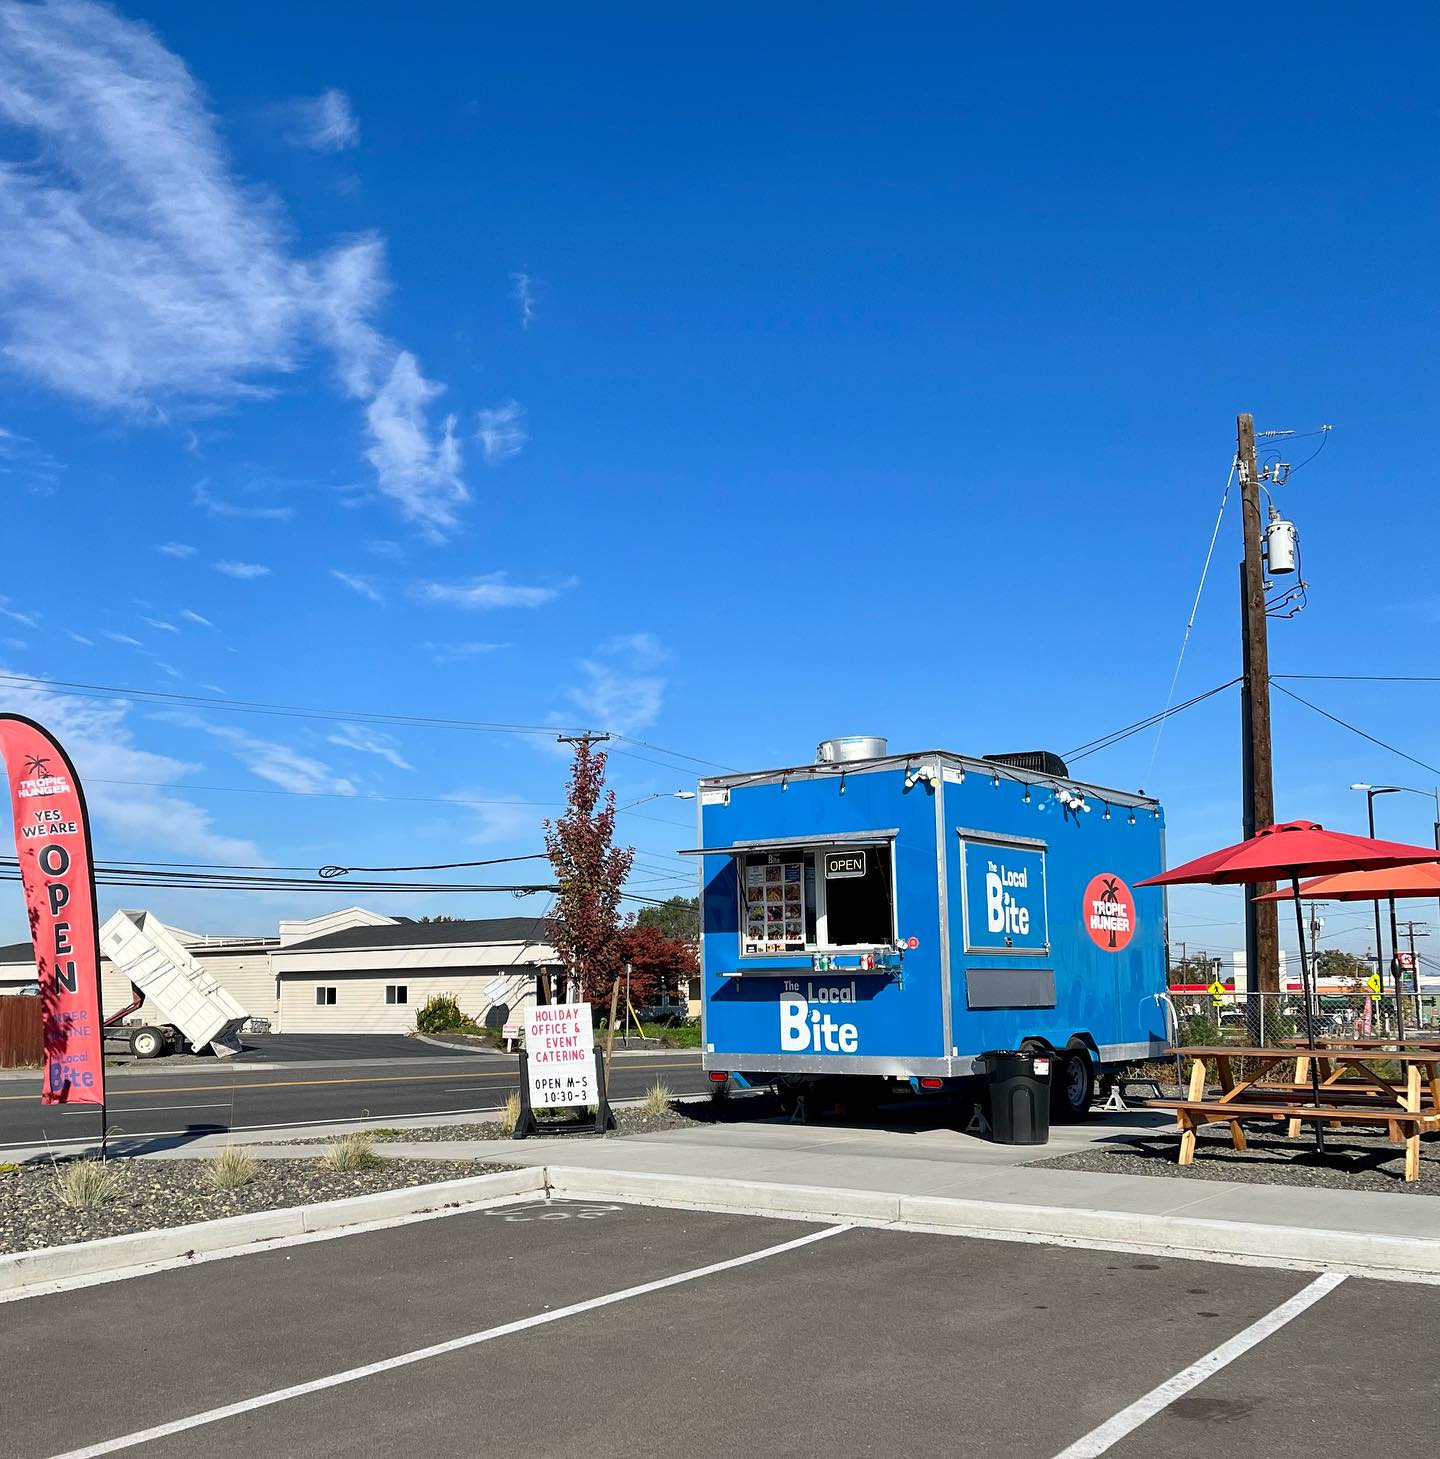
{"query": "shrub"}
[(657, 1099), (9, 1167), (1199, 1030), (233, 1167), (441, 1013), (355, 1151), (83, 1183)]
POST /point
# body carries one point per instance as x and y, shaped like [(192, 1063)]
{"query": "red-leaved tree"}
[(589, 871), (658, 964)]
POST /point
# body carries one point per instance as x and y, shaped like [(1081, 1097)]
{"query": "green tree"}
[(1335, 964), (678, 918), (441, 918)]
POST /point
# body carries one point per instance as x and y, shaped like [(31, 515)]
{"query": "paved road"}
[(834, 1342), (211, 1098)]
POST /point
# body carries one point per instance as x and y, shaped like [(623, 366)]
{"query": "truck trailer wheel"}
[(147, 1043), (1072, 1085)]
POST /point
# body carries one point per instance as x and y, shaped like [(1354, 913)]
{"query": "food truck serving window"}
[(798, 898)]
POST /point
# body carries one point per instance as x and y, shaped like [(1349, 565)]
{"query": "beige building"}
[(350, 971), (373, 978)]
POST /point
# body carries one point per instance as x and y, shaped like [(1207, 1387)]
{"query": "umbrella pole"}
[(1309, 1014)]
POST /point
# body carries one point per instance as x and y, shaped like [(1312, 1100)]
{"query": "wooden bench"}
[(1189, 1113)]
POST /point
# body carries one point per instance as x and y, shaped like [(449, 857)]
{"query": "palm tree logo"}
[(38, 766), (1110, 896)]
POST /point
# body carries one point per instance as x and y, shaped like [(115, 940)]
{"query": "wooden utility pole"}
[(1262, 933)]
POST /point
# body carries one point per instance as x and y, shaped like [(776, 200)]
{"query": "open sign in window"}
[(798, 899)]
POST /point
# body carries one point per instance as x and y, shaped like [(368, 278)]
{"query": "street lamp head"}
[(684, 795), (1360, 785)]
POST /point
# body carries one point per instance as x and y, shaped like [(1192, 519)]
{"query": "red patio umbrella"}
[(1287, 852)]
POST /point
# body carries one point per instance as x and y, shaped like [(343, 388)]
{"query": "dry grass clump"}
[(355, 1151), (233, 1167)]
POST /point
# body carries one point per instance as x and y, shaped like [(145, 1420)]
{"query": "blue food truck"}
[(883, 918)]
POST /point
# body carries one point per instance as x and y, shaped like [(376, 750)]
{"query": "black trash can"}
[(1019, 1086)]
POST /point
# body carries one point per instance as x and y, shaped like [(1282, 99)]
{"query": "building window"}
[(324, 997), (397, 993)]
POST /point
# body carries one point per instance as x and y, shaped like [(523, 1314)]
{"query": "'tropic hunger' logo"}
[(1109, 912)]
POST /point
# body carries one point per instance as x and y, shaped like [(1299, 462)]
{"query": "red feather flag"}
[(52, 840)]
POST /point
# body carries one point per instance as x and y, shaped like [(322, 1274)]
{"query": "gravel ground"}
[(1351, 1162), (157, 1193), (631, 1122)]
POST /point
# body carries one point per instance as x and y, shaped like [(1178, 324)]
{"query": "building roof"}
[(17, 952), (434, 934)]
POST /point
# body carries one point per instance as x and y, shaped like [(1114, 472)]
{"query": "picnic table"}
[(1352, 1091)]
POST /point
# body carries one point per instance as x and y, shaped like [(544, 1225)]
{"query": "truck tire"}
[(147, 1043), (1072, 1085)]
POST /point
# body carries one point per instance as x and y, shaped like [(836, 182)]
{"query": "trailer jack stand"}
[(978, 1125)]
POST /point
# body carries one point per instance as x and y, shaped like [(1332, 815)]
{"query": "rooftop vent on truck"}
[(850, 747), (1042, 762)]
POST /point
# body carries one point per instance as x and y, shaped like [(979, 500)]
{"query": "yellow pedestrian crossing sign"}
[(1217, 991), (1373, 982)]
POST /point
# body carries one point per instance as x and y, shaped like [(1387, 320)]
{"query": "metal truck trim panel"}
[(958, 1066), (782, 843)]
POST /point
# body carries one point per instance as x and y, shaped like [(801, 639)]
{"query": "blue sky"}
[(725, 377)]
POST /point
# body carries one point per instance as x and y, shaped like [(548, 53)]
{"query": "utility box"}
[(895, 917)]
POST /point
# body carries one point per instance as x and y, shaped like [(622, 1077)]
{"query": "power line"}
[(1190, 622), (1364, 678), (79, 689), (1104, 742), (1356, 730)]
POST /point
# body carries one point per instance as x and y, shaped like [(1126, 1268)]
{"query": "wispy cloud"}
[(80, 638), (16, 643), (175, 549), (522, 291), (615, 690), (161, 624), (272, 761), (363, 586), (219, 507), (170, 669), (121, 638), (618, 700), (641, 649), (324, 123), (28, 463), (131, 792), (371, 742), (137, 273), (496, 819), (454, 653), (500, 432), (490, 590), (242, 569), (195, 618), (30, 620)]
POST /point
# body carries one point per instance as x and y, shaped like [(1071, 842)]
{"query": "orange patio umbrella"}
[(1367, 886)]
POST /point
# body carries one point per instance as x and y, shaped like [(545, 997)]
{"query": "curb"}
[(1176, 1236), (233, 1234)]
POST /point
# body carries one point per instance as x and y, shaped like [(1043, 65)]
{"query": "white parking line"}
[(420, 1355), (1097, 1441)]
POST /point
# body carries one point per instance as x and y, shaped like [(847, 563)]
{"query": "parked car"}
[(668, 1013)]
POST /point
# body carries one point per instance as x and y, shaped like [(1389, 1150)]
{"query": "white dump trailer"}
[(194, 1008)]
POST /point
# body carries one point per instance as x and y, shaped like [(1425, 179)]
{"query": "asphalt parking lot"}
[(830, 1341)]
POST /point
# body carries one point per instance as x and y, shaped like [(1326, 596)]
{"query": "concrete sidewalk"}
[(943, 1177), (936, 1176)]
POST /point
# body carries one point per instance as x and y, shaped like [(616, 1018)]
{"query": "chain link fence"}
[(1203, 1018)]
